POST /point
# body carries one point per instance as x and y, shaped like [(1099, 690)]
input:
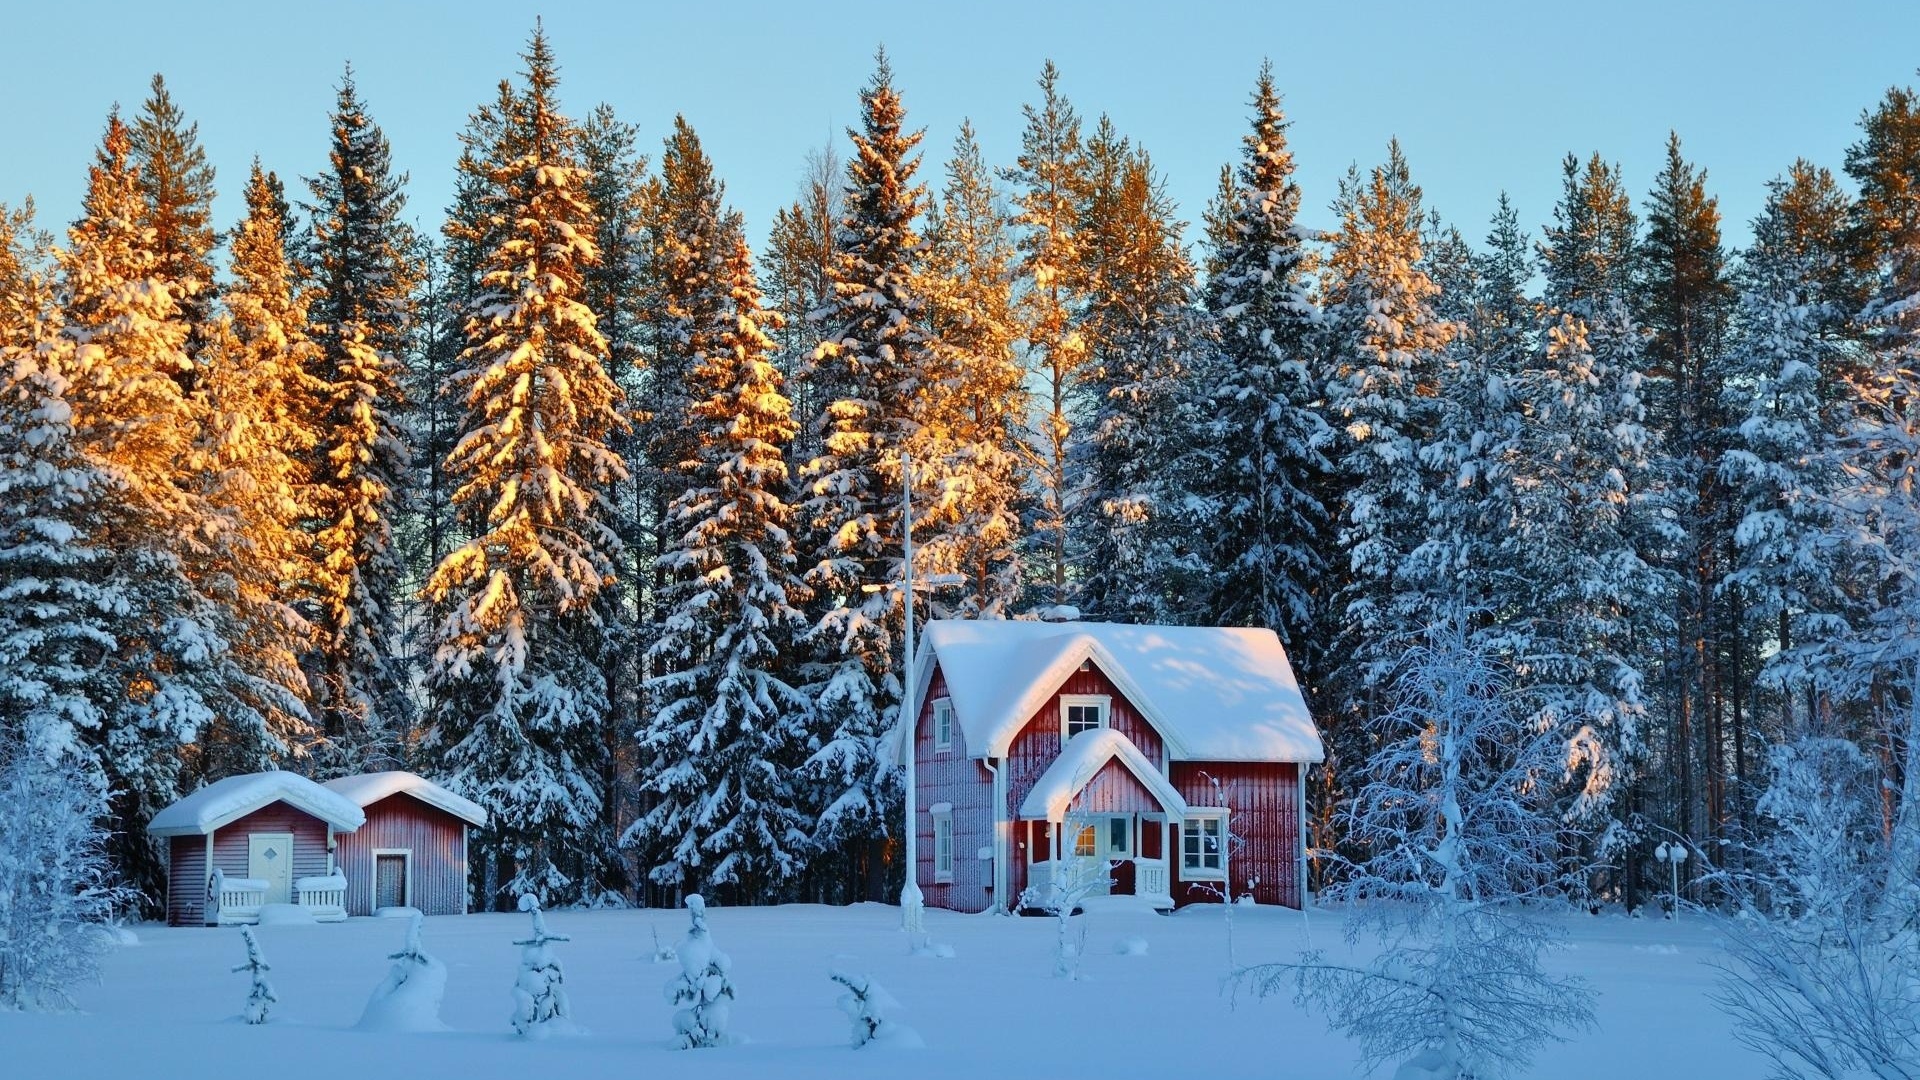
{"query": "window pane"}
[(1117, 834), (1084, 841)]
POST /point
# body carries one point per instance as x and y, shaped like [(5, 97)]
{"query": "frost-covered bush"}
[(539, 998), (1822, 972), (1456, 811), (260, 996), (702, 987), (409, 998), (866, 1004), (55, 893), (1073, 881)]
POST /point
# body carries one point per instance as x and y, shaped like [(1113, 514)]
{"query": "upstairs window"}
[(1082, 712), (943, 724)]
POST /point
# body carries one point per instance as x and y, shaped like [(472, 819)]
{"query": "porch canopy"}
[(1084, 757)]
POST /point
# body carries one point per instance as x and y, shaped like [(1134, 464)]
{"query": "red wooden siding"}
[(439, 862), (1264, 800), (950, 776), (186, 880), (1115, 790), (309, 840)]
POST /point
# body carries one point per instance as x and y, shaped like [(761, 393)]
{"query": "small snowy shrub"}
[(409, 999), (701, 987), (539, 1001), (866, 1003), (261, 995), (662, 952), (1061, 897), (55, 895)]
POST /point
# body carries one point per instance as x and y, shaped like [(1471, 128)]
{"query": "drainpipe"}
[(999, 835)]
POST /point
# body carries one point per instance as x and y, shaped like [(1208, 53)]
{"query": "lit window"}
[(1085, 842), (1078, 714), (942, 724), (1202, 847), (943, 846)]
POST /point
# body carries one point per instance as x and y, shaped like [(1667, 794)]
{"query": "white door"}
[(270, 858)]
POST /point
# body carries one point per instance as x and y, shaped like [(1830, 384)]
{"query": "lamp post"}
[(1673, 855)]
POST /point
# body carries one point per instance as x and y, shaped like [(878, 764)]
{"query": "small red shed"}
[(412, 852), (1163, 762), (250, 840)]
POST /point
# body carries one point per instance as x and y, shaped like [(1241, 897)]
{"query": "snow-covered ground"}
[(168, 1007)]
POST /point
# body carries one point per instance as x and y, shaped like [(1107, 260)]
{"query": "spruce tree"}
[(122, 348), (726, 732), (1049, 181), (1132, 531), (364, 272), (796, 268), (973, 418), (517, 703), (876, 350), (1269, 524), (176, 184)]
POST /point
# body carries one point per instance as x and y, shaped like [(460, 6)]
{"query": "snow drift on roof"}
[(226, 801), (1080, 761), (369, 788), (1214, 693)]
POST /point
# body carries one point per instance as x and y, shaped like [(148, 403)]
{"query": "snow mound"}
[(118, 934), (934, 950), (1131, 946), (396, 912), (412, 1005), (286, 915)]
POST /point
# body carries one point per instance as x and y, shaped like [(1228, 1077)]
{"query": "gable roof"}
[(1080, 761), (369, 788), (226, 801), (1214, 693)]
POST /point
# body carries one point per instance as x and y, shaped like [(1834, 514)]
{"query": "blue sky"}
[(1483, 96)]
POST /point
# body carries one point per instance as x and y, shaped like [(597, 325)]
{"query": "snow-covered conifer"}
[(1268, 523), (1465, 839), (408, 999), (176, 189), (540, 1006), (260, 995), (875, 354), (726, 731), (363, 275), (702, 988), (518, 703), (867, 1004)]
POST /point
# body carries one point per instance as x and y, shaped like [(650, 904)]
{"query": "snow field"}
[(169, 1008)]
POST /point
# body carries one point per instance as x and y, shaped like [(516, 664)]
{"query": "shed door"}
[(270, 858), (389, 881)]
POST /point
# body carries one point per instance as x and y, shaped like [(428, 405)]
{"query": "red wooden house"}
[(241, 843), (1172, 757)]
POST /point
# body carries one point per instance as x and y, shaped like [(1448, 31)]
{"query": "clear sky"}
[(1483, 96)]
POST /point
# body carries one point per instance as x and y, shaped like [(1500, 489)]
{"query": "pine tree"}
[(255, 445), (1050, 182), (726, 732), (973, 437), (518, 706), (176, 184), (1268, 522), (876, 350), (364, 272), (1131, 529), (1386, 342), (122, 348)]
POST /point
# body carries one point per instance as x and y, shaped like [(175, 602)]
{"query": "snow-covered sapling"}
[(662, 952), (1073, 880), (702, 988), (539, 1000), (866, 1004), (409, 998), (1465, 839), (261, 996)]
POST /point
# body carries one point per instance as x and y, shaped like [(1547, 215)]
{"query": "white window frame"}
[(1102, 702), (942, 724), (1203, 872), (1089, 829), (406, 876), (943, 847)]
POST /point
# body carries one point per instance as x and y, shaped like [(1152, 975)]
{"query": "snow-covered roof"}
[(1214, 693), (226, 801), (1080, 761), (369, 788)]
